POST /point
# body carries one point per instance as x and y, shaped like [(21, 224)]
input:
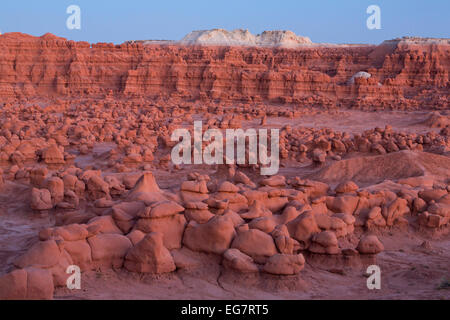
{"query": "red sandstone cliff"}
[(403, 73)]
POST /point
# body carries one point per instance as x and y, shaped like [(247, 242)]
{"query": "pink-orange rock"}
[(306, 81), (43, 254), (395, 211), (236, 260), (106, 224), (283, 241), (41, 199), (49, 255), (369, 244), (161, 209), (123, 220), (255, 243), (432, 194), (343, 203), (172, 228), (37, 176), (13, 285), (256, 210), (325, 243), (150, 256), (135, 236), (30, 284), (346, 187), (97, 188), (56, 187), (53, 156), (39, 284), (265, 224), (198, 212), (109, 250), (284, 264), (274, 181), (303, 228), (72, 232), (81, 253), (146, 189), (215, 236)]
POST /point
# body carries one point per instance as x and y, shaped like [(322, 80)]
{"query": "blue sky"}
[(333, 21)]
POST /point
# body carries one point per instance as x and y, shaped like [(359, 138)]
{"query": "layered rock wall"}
[(403, 74)]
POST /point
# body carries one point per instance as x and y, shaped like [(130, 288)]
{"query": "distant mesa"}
[(417, 40), (240, 37), (19, 36), (279, 38)]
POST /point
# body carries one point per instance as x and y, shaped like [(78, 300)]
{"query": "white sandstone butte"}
[(240, 37)]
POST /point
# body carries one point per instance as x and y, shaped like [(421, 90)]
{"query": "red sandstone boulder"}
[(284, 264), (274, 181), (265, 224), (123, 220), (97, 188), (53, 156), (150, 256), (236, 260), (72, 232), (319, 156), (37, 176), (136, 236), (30, 283), (241, 177), (303, 228), (146, 189), (283, 241), (172, 227), (369, 244), (215, 236), (105, 224), (325, 243), (39, 284), (81, 253), (344, 203), (161, 209), (255, 243), (13, 285), (333, 223), (109, 250), (198, 212), (48, 255), (395, 211), (41, 199), (432, 194), (56, 187), (72, 183), (256, 210), (346, 187)]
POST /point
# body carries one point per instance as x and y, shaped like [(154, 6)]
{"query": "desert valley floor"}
[(414, 261)]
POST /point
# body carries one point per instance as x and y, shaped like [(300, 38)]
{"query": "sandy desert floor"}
[(415, 252)]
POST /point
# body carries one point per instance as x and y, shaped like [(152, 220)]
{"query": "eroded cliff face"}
[(404, 74)]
